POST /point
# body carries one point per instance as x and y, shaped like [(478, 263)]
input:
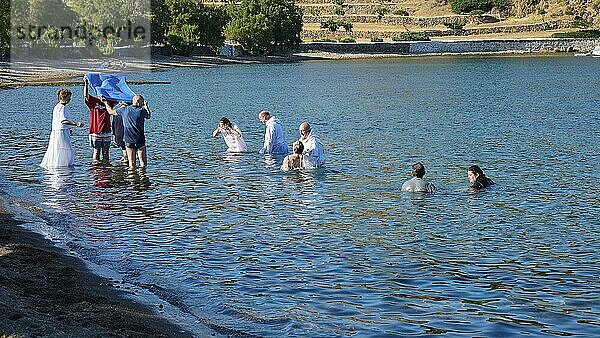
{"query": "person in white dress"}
[(60, 151), (232, 135)]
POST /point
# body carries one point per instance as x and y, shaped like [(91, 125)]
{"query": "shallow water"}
[(340, 251)]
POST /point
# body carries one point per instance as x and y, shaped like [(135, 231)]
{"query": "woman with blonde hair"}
[(60, 151)]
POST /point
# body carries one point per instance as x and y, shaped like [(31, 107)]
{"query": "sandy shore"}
[(46, 293), (14, 75)]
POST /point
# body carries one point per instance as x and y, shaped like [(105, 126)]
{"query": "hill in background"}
[(384, 20)]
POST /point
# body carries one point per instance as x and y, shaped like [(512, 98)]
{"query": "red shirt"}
[(99, 116)]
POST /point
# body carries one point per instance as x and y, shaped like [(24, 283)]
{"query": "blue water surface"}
[(244, 248)]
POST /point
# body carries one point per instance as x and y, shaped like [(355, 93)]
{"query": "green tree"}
[(5, 27), (185, 24), (265, 26)]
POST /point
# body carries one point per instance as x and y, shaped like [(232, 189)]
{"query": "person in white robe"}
[(60, 151), (314, 154), (232, 135), (274, 135)]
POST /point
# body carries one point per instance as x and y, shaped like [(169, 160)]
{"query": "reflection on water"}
[(340, 251)]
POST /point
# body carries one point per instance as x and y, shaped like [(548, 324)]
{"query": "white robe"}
[(235, 144), (314, 155), (60, 151), (274, 138)]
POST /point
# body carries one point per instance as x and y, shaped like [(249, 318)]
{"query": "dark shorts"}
[(100, 141), (135, 146)]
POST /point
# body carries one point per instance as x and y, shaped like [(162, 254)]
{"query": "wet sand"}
[(46, 293)]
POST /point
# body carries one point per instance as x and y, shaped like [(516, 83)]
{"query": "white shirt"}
[(314, 155), (235, 144), (274, 138)]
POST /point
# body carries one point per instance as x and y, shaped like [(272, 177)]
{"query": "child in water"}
[(294, 161)]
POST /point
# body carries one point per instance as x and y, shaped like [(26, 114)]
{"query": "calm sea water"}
[(233, 243)]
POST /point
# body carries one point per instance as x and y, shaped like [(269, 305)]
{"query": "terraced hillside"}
[(378, 20), (384, 20)]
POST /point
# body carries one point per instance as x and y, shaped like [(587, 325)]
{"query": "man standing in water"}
[(133, 127), (314, 155), (417, 183), (274, 135), (99, 130)]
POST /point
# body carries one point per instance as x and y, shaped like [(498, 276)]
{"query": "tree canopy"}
[(4, 27), (264, 26)]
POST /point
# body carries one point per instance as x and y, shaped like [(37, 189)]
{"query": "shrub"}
[(580, 23), (466, 6), (338, 2), (381, 12), (412, 36), (339, 11), (569, 10), (331, 25), (347, 40), (347, 26), (476, 12), (265, 26), (401, 12), (501, 4), (582, 34), (455, 25)]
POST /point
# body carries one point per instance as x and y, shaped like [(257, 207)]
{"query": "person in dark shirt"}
[(133, 128), (478, 179)]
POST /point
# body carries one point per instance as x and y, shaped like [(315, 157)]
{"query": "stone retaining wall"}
[(403, 20), (455, 47), (324, 34)]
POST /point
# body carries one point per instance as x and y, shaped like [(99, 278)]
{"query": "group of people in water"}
[(127, 131), (307, 151), (476, 177)]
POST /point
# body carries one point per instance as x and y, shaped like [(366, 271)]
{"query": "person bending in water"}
[(294, 160), (478, 179), (417, 183), (232, 135), (274, 135)]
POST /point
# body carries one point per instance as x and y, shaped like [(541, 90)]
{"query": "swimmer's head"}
[(475, 173), (418, 170)]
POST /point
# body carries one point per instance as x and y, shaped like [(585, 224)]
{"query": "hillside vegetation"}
[(381, 20)]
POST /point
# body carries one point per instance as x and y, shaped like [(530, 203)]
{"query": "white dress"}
[(60, 151), (235, 144)]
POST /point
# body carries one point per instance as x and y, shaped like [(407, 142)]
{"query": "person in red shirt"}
[(100, 134)]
